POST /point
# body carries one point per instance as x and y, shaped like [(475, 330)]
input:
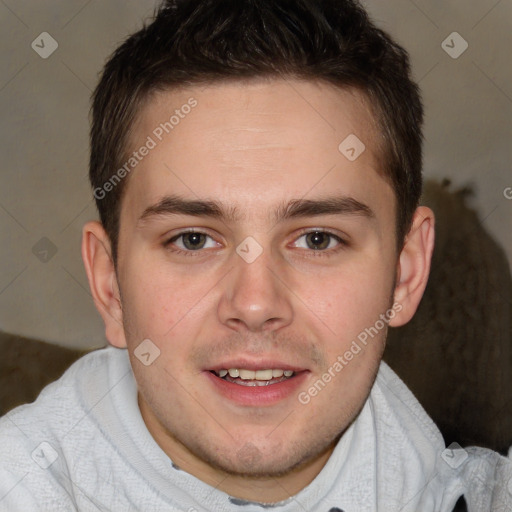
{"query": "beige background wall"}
[(44, 193)]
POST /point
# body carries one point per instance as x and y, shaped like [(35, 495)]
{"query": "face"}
[(250, 243)]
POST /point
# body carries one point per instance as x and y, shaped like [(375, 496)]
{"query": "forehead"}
[(240, 141)]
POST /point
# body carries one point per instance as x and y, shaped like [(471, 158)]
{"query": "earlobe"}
[(414, 265), (101, 274)]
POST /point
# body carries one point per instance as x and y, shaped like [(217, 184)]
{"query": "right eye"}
[(190, 241)]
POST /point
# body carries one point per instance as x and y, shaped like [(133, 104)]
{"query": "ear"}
[(96, 254), (414, 265)]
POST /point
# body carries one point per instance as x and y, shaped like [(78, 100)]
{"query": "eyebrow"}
[(295, 208)]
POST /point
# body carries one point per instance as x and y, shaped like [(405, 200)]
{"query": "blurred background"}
[(52, 53)]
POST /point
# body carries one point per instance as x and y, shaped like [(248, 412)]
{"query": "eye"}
[(191, 241), (319, 240)]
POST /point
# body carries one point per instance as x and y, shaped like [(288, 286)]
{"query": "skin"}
[(253, 146)]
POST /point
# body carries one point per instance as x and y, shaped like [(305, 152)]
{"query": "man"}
[(257, 169)]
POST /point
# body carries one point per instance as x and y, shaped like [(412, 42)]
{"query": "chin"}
[(257, 466), (269, 462)]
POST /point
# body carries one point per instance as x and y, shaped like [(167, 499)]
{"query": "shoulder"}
[(41, 439), (483, 476), (487, 478), (57, 402)]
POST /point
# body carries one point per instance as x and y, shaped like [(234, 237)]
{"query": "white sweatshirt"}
[(83, 446)]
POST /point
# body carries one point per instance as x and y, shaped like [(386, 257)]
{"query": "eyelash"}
[(181, 252), (326, 253), (342, 244)]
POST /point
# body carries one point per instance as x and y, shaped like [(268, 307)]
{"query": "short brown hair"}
[(193, 42)]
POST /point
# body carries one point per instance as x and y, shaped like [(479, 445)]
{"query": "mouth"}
[(251, 378), (261, 384)]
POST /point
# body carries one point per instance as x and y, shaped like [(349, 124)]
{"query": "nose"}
[(255, 297)]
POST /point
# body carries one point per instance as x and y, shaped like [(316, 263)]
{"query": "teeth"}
[(245, 374), (262, 375)]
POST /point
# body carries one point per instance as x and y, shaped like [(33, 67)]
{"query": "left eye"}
[(318, 240), (192, 241)]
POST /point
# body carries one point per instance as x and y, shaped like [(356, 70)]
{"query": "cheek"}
[(347, 310), (350, 298), (158, 303)]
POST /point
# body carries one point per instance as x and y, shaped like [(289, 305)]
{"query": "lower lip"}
[(257, 395)]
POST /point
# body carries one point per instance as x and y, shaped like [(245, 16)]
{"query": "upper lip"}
[(255, 365)]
